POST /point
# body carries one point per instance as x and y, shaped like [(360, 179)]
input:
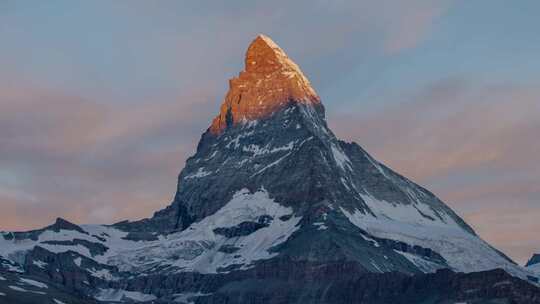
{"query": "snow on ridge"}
[(462, 251), (200, 173), (33, 283), (197, 247), (104, 274), (257, 150), (422, 264), (39, 264), (341, 158), (320, 225), (236, 140), (406, 213), (15, 250), (118, 295)]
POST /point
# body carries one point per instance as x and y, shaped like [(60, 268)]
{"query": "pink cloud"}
[(412, 25), (88, 161)]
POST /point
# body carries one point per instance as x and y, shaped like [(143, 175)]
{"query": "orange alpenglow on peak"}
[(269, 81)]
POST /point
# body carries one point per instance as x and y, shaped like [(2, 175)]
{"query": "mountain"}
[(273, 198)]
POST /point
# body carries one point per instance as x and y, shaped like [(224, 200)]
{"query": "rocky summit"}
[(269, 81), (272, 208)]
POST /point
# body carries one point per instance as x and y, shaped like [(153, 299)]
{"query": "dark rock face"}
[(140, 236), (287, 281), (15, 290), (244, 228), (61, 268), (395, 288), (62, 224), (442, 287), (535, 259)]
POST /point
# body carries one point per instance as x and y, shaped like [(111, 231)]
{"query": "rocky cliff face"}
[(269, 80), (272, 197)]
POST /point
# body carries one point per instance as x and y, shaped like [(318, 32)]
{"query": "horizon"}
[(99, 117)]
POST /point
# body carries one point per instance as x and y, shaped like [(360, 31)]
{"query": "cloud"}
[(63, 155), (412, 25)]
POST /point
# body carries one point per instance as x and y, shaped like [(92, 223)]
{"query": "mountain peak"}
[(264, 56), (269, 81)]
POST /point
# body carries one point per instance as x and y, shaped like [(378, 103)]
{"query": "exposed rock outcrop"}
[(269, 81)]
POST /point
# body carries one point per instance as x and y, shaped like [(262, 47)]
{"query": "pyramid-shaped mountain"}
[(270, 140), (273, 198)]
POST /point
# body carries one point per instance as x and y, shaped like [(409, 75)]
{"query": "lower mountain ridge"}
[(272, 208)]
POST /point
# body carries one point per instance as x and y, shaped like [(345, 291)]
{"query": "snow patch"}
[(200, 173), (39, 264), (56, 301), (197, 247), (462, 250), (34, 283), (236, 140), (341, 159), (422, 264), (78, 261), (118, 295), (257, 150), (320, 226), (20, 289), (186, 297), (104, 274), (372, 241)]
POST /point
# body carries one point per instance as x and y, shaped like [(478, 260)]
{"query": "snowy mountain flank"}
[(273, 198)]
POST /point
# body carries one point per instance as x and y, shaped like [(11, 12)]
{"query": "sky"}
[(101, 102)]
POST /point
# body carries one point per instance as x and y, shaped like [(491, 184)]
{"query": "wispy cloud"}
[(63, 155)]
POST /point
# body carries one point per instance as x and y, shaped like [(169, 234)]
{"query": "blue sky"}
[(102, 101)]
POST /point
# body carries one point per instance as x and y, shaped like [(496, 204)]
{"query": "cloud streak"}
[(62, 155)]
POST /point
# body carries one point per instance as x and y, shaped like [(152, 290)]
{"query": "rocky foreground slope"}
[(273, 208)]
